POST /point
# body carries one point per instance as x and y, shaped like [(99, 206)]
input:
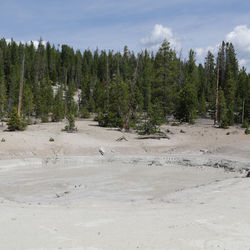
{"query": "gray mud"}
[(134, 179)]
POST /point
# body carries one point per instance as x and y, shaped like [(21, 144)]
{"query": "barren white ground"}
[(141, 194)]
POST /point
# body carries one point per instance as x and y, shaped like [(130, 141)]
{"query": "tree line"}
[(141, 90)]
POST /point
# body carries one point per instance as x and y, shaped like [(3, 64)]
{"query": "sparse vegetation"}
[(175, 124), (51, 139), (245, 124), (15, 123), (247, 130), (71, 124), (84, 113)]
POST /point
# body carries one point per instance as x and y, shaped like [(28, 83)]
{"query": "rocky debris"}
[(62, 194), (235, 132), (155, 163), (248, 174), (182, 131), (101, 151), (122, 138), (169, 132), (205, 151)]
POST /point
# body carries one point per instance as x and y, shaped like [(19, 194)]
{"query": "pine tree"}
[(119, 100), (3, 93), (28, 104), (223, 110), (166, 68), (186, 104), (58, 106), (45, 101), (14, 122), (71, 106)]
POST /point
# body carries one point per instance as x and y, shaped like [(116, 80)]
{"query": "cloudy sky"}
[(111, 24)]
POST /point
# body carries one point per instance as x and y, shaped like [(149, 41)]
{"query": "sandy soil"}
[(188, 192)]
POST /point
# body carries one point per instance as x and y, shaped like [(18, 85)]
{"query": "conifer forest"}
[(122, 89)]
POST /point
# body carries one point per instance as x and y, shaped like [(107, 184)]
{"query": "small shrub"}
[(174, 124), (51, 139), (148, 128), (84, 113), (3, 140), (228, 133), (44, 118), (224, 124), (245, 124), (15, 123), (71, 124)]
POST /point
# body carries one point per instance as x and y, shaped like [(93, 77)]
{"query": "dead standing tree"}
[(21, 88)]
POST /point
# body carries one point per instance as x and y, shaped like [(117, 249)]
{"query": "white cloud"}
[(35, 42), (158, 35), (202, 52), (240, 37), (245, 63)]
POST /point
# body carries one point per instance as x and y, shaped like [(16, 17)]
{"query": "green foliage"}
[(3, 140), (247, 131), (28, 102), (223, 118), (175, 124), (58, 106), (60, 81), (186, 104), (84, 113), (14, 123), (51, 139), (71, 106), (245, 124), (118, 106), (3, 99), (71, 123), (44, 100), (165, 83), (153, 121), (202, 109)]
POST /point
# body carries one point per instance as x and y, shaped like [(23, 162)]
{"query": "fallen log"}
[(155, 137)]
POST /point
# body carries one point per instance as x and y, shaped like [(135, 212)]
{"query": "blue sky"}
[(140, 24)]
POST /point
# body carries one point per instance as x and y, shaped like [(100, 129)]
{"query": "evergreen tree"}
[(222, 110), (58, 106), (186, 104), (166, 68), (119, 100), (14, 122), (3, 94), (28, 105), (100, 82)]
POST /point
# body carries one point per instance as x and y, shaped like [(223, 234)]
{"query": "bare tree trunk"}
[(217, 95), (21, 88)]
